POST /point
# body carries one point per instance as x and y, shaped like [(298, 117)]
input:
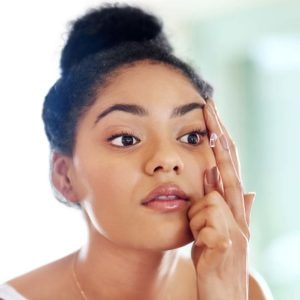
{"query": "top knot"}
[(107, 27)]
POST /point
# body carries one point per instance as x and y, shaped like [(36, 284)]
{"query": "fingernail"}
[(212, 176), (198, 241), (251, 194), (224, 142), (213, 139)]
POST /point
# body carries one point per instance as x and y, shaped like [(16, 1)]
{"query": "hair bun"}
[(109, 26)]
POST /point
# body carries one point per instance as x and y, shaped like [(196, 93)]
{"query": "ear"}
[(61, 176)]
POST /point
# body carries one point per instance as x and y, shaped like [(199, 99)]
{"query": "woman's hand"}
[(220, 222)]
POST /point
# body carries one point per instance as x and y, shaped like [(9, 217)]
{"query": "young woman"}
[(138, 146)]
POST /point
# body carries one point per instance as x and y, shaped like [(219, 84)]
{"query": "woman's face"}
[(141, 135)]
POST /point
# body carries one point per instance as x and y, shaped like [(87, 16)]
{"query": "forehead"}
[(147, 83)]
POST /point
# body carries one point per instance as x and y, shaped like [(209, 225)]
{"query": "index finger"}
[(233, 191), (232, 147)]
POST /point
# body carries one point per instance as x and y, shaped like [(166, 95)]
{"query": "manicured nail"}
[(213, 139), (198, 241), (250, 195), (212, 176), (224, 142)]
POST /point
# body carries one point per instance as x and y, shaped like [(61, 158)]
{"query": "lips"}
[(165, 192)]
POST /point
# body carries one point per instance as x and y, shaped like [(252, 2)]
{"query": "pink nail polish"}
[(213, 139), (212, 176)]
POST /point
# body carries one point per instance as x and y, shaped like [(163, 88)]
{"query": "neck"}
[(107, 271)]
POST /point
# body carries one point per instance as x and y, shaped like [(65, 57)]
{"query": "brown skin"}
[(131, 251)]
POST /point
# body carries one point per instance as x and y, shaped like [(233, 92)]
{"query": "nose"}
[(164, 159)]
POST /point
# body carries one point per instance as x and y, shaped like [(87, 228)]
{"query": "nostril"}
[(161, 168), (168, 164), (158, 168)]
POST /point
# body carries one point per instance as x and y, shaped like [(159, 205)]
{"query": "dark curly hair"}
[(99, 44)]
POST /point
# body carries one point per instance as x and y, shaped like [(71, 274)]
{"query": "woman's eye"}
[(192, 138), (124, 140)]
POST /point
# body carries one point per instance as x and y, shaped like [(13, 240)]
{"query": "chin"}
[(170, 240), (178, 243)]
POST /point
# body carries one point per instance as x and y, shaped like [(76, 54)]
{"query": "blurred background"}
[(249, 50)]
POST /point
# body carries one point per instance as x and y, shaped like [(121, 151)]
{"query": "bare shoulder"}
[(42, 282), (184, 282), (258, 288)]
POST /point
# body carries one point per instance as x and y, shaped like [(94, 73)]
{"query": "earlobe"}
[(61, 176)]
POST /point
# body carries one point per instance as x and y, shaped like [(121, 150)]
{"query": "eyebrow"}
[(128, 108), (181, 110), (141, 111)]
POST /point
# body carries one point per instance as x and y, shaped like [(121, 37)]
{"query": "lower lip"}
[(167, 205)]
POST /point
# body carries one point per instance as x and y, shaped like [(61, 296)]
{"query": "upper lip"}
[(165, 190)]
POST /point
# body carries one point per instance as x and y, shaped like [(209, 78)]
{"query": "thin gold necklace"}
[(75, 278)]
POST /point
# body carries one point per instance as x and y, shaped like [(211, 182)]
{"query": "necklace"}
[(76, 281)]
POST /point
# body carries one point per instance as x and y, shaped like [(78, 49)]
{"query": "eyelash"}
[(120, 134), (200, 132)]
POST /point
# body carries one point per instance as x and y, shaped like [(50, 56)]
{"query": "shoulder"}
[(42, 282), (184, 282), (258, 288), (7, 292)]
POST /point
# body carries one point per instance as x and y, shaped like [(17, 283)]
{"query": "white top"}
[(7, 292)]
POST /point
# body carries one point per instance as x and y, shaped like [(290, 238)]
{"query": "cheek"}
[(115, 184), (110, 183), (109, 190)]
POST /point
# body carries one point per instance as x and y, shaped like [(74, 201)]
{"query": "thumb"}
[(212, 181), (248, 202)]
